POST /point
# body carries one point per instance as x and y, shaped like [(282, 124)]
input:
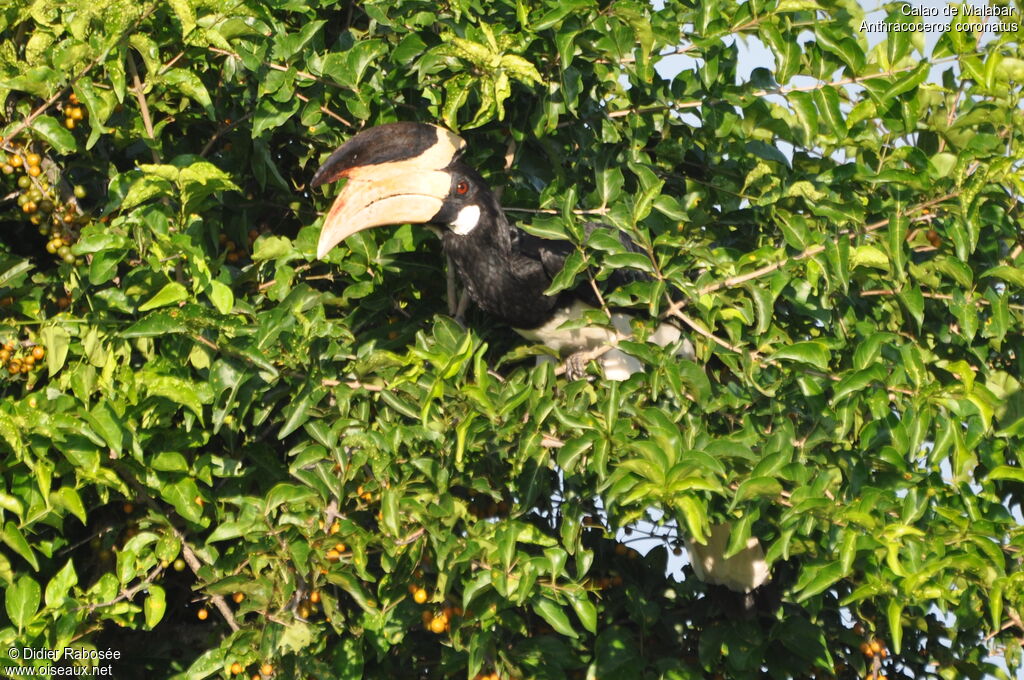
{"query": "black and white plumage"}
[(413, 173)]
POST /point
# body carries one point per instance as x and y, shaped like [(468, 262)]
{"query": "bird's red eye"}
[(462, 187)]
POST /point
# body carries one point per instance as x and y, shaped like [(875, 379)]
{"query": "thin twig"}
[(223, 131), (552, 211), (140, 96)]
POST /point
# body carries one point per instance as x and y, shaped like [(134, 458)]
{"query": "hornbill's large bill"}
[(413, 173)]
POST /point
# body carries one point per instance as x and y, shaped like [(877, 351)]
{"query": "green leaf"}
[(869, 256), (55, 134), (170, 294), (817, 578), (208, 663), (1015, 474), (59, 587), (186, 15), (806, 114), (1006, 273), (271, 248), (143, 189), (56, 341), (857, 381), (906, 82), (15, 540), (585, 611), (894, 615), (554, 615), (177, 390), (22, 601), (810, 352), (757, 487), (154, 606), (221, 297), (184, 495), (827, 101), (189, 84)]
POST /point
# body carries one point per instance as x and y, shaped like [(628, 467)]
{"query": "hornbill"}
[(413, 173)]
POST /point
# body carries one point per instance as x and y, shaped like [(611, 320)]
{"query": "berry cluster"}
[(21, 360), (440, 621), (237, 253), (73, 112), (58, 221)]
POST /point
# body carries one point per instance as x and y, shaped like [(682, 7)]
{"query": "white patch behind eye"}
[(466, 220)]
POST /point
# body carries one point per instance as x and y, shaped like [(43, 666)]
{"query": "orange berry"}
[(76, 113), (69, 123), (267, 669), (33, 159), (73, 98), (877, 646), (420, 596), (865, 649), (38, 352), (14, 160), (314, 597), (438, 625), (333, 555), (340, 547), (238, 597), (203, 614), (236, 668)]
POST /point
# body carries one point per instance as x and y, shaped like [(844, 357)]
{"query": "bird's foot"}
[(576, 365)]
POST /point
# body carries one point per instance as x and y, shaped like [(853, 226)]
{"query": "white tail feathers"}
[(742, 572)]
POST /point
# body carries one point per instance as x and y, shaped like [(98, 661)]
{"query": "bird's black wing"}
[(533, 256)]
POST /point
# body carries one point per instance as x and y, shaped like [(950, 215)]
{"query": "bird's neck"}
[(486, 264)]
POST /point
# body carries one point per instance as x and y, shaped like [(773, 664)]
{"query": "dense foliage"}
[(222, 456)]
